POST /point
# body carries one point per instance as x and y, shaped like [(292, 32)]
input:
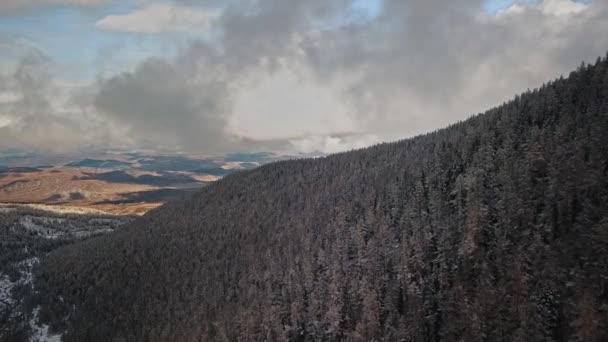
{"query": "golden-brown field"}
[(68, 186)]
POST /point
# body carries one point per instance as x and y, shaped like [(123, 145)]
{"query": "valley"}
[(27, 233)]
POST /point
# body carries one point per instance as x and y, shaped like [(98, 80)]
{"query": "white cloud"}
[(558, 8), (9, 96), (17, 4), (511, 10), (262, 107), (331, 143), (5, 120), (161, 17), (562, 7), (37, 110)]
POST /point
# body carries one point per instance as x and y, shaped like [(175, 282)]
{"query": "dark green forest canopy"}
[(492, 229)]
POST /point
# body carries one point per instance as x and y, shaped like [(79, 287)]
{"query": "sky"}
[(275, 75)]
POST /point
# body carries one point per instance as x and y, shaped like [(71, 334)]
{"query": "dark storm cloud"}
[(169, 103)]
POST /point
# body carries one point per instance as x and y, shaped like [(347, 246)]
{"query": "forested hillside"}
[(27, 234), (492, 229)]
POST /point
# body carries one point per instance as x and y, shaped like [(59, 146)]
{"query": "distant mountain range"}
[(4, 169), (107, 164), (122, 182), (162, 180)]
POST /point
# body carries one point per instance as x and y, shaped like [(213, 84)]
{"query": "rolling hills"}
[(492, 229), (118, 182)]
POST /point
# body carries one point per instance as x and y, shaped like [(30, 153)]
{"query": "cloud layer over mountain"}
[(301, 75)]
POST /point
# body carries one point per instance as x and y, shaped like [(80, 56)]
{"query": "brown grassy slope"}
[(65, 186)]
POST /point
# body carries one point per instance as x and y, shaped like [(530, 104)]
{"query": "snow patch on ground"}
[(31, 223), (59, 228), (100, 221), (25, 267), (89, 233), (40, 332), (6, 285), (57, 209)]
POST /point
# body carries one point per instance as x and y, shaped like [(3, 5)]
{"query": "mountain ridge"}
[(492, 228)]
